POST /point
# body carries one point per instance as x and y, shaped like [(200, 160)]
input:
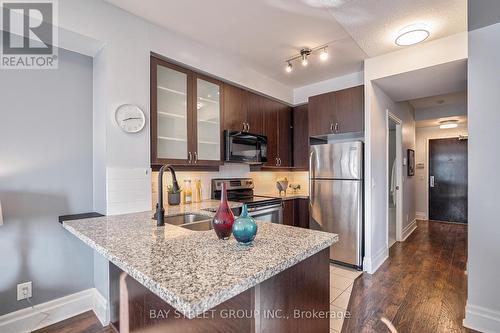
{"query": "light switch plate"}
[(24, 290)]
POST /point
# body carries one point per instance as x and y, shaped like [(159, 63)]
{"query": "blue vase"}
[(244, 228)]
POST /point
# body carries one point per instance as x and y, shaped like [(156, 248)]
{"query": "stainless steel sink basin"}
[(185, 219), (199, 226), (195, 222)]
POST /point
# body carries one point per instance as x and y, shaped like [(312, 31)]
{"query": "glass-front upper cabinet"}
[(208, 119), (185, 116)]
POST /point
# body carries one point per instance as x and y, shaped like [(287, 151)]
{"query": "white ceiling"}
[(264, 33), (431, 81), (457, 98), (429, 111), (374, 24)]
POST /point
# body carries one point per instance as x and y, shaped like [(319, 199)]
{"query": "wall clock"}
[(130, 118)]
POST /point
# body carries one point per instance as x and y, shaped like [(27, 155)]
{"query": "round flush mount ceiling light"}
[(412, 34), (446, 124)]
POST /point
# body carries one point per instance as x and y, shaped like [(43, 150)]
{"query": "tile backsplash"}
[(265, 181)]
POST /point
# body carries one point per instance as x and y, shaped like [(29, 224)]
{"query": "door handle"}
[(195, 157), (190, 157), (431, 181), (311, 177)]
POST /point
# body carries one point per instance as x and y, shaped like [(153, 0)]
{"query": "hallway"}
[(422, 287)]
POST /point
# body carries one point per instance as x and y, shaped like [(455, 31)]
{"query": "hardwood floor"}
[(422, 287), (84, 323)]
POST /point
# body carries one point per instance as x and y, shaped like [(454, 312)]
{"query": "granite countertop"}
[(288, 196), (193, 271)]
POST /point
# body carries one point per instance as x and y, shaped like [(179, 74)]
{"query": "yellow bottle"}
[(188, 192), (197, 191)]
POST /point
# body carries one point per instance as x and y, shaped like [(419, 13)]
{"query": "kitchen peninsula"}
[(173, 279)]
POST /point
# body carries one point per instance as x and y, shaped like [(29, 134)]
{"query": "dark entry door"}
[(448, 180)]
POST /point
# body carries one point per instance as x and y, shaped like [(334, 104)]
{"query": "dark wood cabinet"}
[(301, 213), (336, 112), (288, 212), (349, 107), (271, 131), (296, 213), (278, 129), (285, 139), (300, 125), (243, 110), (235, 107), (321, 114), (255, 113)]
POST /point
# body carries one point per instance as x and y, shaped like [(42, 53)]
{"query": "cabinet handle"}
[(279, 159), (244, 127), (336, 127), (276, 160), (248, 127), (190, 157), (331, 128), (195, 157)]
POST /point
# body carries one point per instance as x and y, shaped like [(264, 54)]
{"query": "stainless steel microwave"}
[(242, 147)]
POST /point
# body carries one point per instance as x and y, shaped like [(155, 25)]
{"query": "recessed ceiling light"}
[(412, 34), (446, 124)]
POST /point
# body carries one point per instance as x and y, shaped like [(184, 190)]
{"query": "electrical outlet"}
[(24, 290)]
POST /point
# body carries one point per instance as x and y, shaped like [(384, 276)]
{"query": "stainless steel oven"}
[(242, 147), (268, 213), (259, 207)]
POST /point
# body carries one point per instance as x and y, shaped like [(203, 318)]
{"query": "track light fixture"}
[(323, 55), (304, 56)]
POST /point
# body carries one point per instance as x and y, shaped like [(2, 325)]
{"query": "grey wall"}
[(45, 171), (483, 305), (404, 111), (482, 13)]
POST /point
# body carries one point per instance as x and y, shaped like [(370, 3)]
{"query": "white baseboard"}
[(101, 308), (481, 319), (371, 264), (409, 229), (29, 319), (421, 216)]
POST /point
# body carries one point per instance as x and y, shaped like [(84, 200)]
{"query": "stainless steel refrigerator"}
[(336, 197)]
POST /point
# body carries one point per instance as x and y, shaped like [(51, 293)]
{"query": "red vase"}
[(224, 218)]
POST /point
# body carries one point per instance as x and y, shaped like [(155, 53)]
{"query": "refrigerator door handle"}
[(311, 177)]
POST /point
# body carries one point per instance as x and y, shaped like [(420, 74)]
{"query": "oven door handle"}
[(267, 209)]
